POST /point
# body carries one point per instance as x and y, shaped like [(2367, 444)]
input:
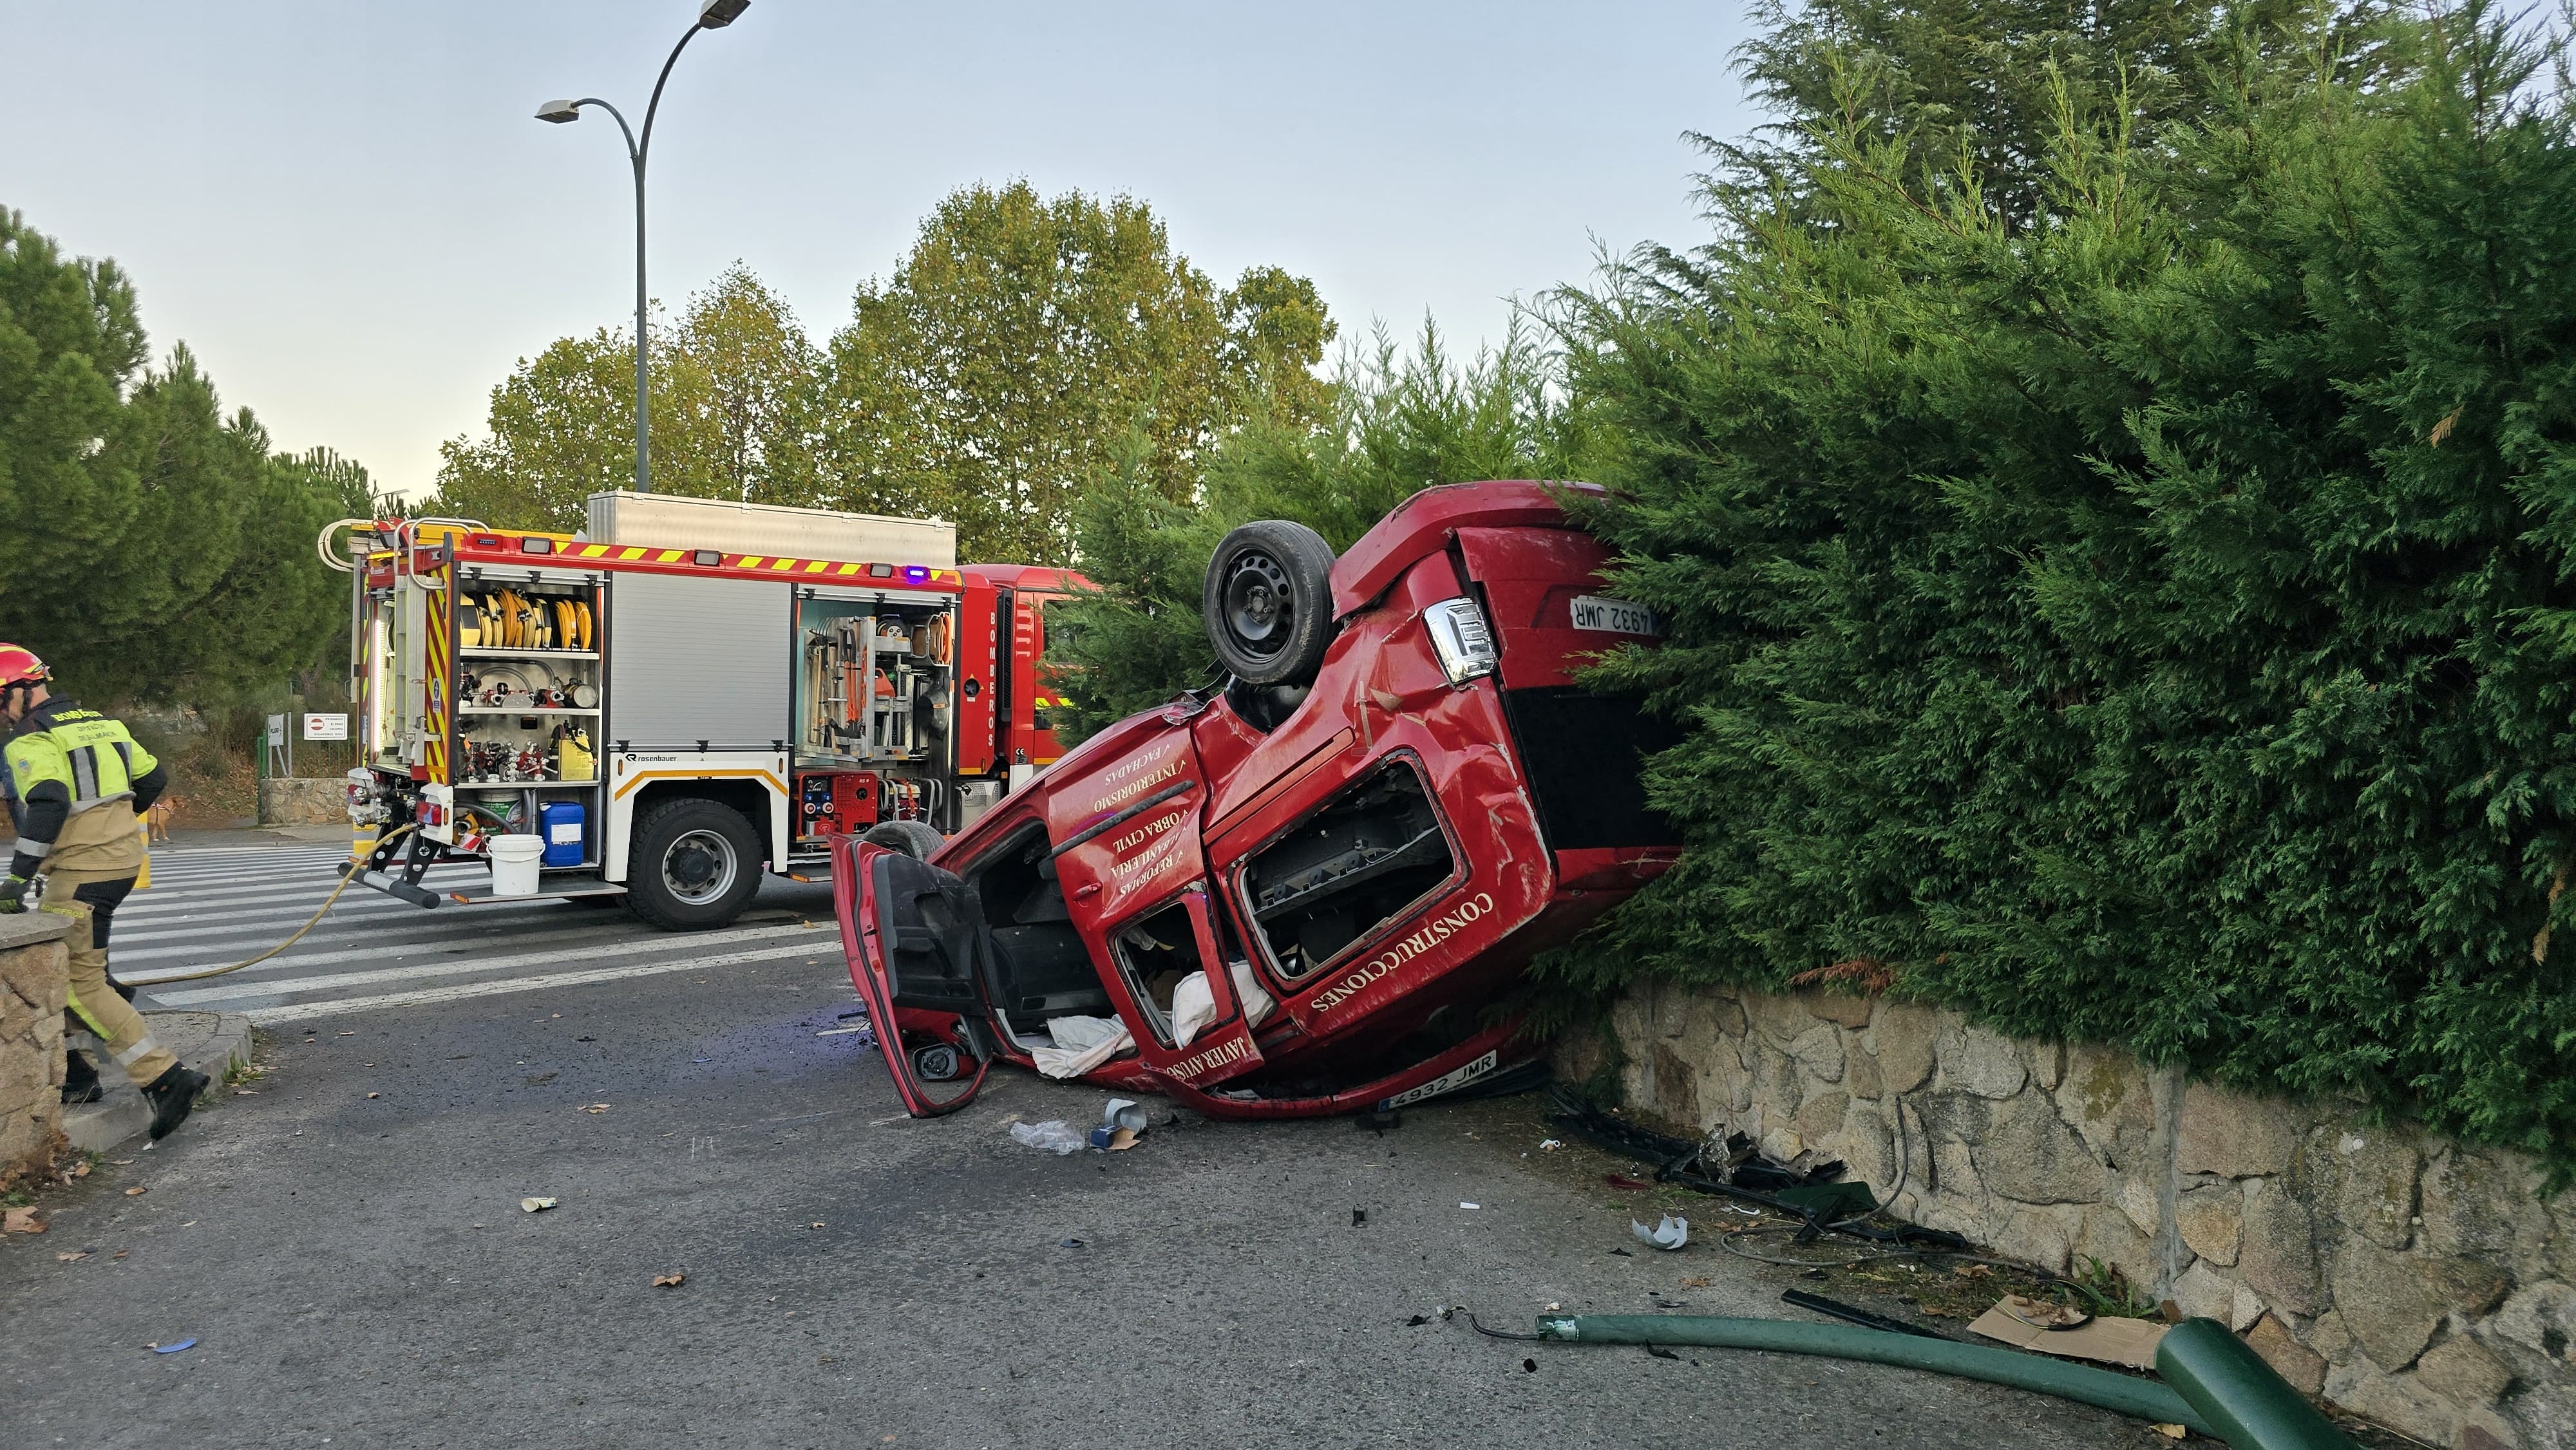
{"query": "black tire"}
[(916, 839), (694, 865), (1268, 602)]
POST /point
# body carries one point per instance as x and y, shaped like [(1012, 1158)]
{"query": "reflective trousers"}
[(90, 899)]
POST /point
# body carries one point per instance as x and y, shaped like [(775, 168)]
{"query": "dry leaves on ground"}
[(135, 1192), (668, 1281), (21, 1221)]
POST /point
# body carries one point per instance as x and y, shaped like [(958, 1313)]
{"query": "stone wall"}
[(2419, 1282), (289, 802), (32, 987)]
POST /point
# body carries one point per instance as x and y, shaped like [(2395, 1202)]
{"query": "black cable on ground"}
[(1497, 1333)]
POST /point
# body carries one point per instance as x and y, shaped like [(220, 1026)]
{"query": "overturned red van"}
[(1305, 892)]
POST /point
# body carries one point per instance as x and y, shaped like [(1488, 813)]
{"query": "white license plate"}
[(1450, 1081), (1613, 616)]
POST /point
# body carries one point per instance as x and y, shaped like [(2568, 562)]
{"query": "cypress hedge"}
[(2148, 619)]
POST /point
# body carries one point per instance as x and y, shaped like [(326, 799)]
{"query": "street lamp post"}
[(713, 15)]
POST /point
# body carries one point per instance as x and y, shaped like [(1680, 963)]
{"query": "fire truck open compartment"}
[(875, 709), (527, 707)]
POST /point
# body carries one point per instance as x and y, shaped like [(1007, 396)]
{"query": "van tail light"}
[(1460, 638)]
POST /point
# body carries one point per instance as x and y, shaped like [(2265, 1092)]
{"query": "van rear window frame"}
[(1239, 875)]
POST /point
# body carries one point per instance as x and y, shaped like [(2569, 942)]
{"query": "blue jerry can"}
[(560, 822)]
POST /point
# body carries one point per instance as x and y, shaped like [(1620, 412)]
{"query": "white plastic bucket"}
[(514, 864)]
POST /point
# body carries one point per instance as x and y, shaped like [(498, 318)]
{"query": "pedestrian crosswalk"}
[(209, 907)]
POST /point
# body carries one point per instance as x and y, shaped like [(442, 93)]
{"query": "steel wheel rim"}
[(1260, 608), (699, 867)]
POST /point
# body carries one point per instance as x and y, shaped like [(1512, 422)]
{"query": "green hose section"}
[(2117, 1392), (2252, 1407)]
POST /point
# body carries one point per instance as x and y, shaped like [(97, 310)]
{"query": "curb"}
[(122, 1114)]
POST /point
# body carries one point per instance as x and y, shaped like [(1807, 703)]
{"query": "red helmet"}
[(19, 666)]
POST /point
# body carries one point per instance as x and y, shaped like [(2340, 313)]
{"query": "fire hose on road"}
[(309, 923)]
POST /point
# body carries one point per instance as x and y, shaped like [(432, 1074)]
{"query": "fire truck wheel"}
[(1268, 602), (916, 839), (696, 864)]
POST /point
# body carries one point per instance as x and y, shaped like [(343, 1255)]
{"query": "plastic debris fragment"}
[(1672, 1233), (1054, 1135)]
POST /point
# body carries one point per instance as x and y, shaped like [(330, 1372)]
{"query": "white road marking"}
[(434, 996), (612, 947)]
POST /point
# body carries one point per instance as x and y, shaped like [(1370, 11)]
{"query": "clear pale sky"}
[(350, 214)]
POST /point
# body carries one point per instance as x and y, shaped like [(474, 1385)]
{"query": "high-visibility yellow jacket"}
[(67, 766)]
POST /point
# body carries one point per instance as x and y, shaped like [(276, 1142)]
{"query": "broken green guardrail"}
[(2212, 1384)]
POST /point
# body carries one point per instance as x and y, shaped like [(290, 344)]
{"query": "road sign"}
[(326, 727)]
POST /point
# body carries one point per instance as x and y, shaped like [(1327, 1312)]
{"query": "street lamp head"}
[(559, 112), (717, 14)]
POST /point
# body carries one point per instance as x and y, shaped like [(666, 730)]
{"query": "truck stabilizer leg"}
[(391, 886)]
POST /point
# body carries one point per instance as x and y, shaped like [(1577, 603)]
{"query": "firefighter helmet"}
[(19, 666)]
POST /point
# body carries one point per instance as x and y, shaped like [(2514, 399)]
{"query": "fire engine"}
[(683, 696)]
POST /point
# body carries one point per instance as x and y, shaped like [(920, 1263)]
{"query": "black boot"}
[(173, 1095), (80, 1080)]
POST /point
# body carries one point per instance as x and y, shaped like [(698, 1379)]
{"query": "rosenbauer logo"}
[(1430, 934)]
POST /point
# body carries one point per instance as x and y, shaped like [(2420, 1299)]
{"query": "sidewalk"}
[(211, 1042)]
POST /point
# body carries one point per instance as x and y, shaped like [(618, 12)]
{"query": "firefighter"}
[(77, 780)]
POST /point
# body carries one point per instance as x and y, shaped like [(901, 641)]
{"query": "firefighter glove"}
[(13, 895)]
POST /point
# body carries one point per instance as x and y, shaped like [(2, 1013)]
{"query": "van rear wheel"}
[(694, 866), (1268, 602)]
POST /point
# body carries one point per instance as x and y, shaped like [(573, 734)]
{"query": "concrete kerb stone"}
[(214, 1043)]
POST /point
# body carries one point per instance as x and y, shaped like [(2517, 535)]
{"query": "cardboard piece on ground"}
[(2129, 1342), (1122, 1139)]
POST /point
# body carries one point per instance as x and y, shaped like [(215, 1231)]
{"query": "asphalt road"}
[(345, 1244)]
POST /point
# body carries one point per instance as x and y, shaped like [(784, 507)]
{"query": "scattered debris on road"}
[(1850, 1313), (172, 1348), (668, 1281), (134, 1192), (1054, 1135), (21, 1221), (537, 1205), (2031, 1324), (1671, 1234), (594, 1109), (73, 1256)]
